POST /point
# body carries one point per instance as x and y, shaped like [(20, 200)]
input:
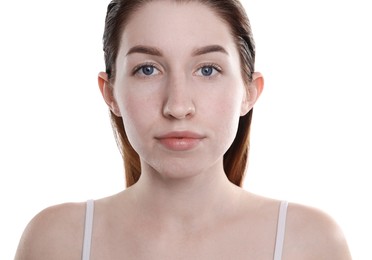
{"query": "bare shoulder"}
[(313, 234), (54, 233)]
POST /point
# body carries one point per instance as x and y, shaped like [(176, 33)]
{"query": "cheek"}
[(230, 122), (226, 115), (137, 112), (229, 101)]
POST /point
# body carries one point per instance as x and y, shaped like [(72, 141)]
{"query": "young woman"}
[(180, 84)]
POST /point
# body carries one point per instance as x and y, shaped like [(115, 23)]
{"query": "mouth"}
[(180, 141)]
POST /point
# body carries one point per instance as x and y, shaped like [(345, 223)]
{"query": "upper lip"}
[(180, 134)]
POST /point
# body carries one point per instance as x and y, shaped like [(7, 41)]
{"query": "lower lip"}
[(180, 144)]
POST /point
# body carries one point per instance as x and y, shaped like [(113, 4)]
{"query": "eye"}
[(208, 70), (146, 70)]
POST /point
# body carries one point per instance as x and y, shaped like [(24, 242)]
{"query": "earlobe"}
[(244, 107), (254, 91), (107, 93)]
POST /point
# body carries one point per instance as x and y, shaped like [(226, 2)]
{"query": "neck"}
[(186, 201)]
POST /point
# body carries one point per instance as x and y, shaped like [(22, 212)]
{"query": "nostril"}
[(179, 99), (179, 111)]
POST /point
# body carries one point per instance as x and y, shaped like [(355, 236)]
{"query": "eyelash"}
[(149, 64), (141, 66), (212, 65)]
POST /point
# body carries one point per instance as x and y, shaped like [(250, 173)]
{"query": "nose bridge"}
[(179, 101)]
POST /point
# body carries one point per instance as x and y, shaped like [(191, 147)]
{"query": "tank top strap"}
[(280, 232), (279, 243), (88, 228)]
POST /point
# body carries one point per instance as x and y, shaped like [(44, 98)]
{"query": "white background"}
[(311, 136)]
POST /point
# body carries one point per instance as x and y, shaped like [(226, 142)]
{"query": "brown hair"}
[(231, 12)]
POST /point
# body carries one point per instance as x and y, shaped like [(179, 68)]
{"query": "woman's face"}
[(179, 88)]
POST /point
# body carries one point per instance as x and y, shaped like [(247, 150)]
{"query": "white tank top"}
[(280, 232)]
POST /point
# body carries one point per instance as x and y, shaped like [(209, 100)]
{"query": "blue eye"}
[(208, 70), (146, 70)]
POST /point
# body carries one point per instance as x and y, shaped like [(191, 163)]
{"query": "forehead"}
[(167, 23)]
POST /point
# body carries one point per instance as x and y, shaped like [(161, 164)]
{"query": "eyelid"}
[(213, 65), (137, 68)]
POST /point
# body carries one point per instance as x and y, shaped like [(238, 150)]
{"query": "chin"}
[(175, 171)]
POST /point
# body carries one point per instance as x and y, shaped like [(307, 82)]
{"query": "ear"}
[(108, 93), (253, 92)]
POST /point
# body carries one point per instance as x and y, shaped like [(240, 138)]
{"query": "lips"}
[(180, 141)]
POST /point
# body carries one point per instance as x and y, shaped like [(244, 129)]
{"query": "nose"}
[(178, 102)]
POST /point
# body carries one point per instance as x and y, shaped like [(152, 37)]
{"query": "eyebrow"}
[(209, 49), (145, 50), (156, 52)]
